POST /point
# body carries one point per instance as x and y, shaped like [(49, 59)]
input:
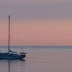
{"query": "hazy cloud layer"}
[(36, 9)]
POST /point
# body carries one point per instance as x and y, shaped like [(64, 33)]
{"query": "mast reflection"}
[(9, 66), (11, 63)]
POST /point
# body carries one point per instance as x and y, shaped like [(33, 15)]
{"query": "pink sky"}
[(37, 32), (36, 22)]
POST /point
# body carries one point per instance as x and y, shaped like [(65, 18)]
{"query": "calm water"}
[(39, 59)]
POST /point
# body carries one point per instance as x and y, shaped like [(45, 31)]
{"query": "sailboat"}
[(11, 54)]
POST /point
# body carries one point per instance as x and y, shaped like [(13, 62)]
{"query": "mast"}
[(9, 35)]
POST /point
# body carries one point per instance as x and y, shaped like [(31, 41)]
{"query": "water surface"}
[(39, 59)]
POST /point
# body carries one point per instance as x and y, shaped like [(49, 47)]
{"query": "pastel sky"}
[(36, 22)]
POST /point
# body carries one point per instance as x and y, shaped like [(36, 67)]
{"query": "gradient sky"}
[(36, 22)]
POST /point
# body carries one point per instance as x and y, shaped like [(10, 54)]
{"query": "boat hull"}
[(11, 56)]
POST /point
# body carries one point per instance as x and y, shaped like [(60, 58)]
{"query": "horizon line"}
[(51, 46)]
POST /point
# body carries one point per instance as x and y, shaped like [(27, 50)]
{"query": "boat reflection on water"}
[(13, 65)]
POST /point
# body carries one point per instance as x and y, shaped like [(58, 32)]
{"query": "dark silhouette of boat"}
[(11, 54)]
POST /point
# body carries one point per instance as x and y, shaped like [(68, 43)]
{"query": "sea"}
[(39, 59)]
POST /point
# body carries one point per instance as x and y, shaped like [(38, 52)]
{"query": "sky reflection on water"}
[(40, 60)]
